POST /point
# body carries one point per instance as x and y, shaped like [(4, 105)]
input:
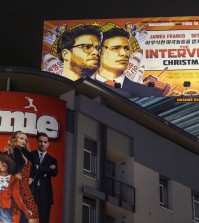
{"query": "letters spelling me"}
[(28, 123)]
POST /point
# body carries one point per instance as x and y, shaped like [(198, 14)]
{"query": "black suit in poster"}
[(43, 193)]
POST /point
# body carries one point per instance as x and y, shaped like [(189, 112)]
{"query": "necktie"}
[(110, 82), (41, 157)]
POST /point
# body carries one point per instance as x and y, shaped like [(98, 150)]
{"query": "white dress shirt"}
[(98, 77)]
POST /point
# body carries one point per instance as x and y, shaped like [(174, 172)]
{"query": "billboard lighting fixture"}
[(151, 84), (186, 84), (117, 85)]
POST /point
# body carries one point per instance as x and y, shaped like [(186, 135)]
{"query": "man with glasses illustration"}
[(79, 48)]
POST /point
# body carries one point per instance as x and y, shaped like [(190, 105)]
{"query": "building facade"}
[(122, 163)]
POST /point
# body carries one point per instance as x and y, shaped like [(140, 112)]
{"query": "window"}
[(110, 219), (110, 168), (195, 198), (90, 157), (164, 193), (88, 211)]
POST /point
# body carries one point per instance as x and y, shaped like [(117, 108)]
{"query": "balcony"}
[(120, 194)]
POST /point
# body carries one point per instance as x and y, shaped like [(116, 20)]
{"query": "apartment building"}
[(123, 164)]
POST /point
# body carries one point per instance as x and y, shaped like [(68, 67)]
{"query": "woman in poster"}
[(17, 148), (9, 190)]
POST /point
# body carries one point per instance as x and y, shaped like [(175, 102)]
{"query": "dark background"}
[(21, 21)]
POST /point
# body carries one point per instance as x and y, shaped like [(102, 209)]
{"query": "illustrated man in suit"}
[(113, 62), (79, 49), (114, 56), (46, 167)]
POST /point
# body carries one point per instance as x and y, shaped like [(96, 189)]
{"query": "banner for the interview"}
[(32, 113), (163, 53)]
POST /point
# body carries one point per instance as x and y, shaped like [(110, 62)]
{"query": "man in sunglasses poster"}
[(79, 49)]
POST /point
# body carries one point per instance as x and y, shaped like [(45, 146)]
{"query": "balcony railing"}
[(123, 193)]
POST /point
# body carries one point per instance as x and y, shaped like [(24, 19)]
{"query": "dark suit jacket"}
[(43, 173), (140, 90), (132, 89)]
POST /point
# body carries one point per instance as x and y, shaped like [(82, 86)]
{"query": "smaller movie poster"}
[(143, 56), (34, 185)]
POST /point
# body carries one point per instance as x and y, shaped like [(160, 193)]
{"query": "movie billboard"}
[(143, 56), (31, 187)]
